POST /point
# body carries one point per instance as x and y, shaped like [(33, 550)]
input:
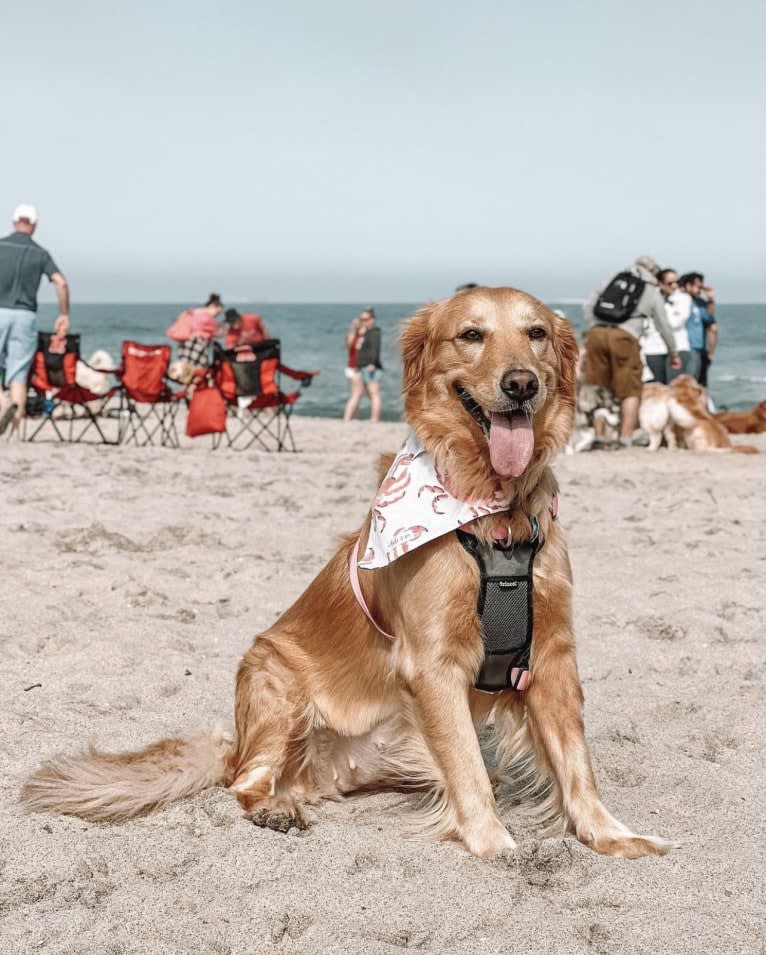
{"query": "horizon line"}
[(358, 301)]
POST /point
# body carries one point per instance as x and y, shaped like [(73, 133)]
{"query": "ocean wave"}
[(753, 379)]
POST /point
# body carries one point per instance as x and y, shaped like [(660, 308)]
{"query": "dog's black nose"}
[(519, 384)]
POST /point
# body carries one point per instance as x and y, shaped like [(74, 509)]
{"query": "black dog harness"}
[(504, 605), (505, 609)]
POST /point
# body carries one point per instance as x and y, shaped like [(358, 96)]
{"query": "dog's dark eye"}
[(536, 333), (471, 335)]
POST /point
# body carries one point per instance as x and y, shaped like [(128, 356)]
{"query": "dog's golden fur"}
[(325, 705), (699, 429), (678, 413), (752, 421)]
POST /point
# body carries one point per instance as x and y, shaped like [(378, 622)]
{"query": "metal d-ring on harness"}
[(504, 608)]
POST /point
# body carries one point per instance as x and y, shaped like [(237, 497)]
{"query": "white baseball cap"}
[(25, 211)]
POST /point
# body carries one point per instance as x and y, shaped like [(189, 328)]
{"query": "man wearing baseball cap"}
[(22, 265)]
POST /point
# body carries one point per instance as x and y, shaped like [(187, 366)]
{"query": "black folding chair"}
[(259, 412), (59, 409)]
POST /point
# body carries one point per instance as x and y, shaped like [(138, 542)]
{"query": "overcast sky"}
[(345, 150)]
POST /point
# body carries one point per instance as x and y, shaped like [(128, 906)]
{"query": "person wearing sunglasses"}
[(653, 345)]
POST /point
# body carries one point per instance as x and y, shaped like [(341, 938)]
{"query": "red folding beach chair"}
[(249, 379), (148, 406), (59, 409)]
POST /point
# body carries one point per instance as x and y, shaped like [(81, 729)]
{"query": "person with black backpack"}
[(616, 314)]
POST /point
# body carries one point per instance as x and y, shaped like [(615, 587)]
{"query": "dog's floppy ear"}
[(567, 354), (416, 344)]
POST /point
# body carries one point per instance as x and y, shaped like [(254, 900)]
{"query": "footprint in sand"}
[(290, 924), (595, 935), (714, 746), (626, 777), (655, 628), (550, 863)]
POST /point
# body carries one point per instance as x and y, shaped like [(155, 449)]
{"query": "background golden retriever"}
[(699, 429), (325, 705), (752, 421)]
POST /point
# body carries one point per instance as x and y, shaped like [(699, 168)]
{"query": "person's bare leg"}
[(355, 396), (373, 393), (18, 395), (629, 416)]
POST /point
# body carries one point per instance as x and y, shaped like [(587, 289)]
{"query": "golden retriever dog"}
[(699, 429), (325, 705), (744, 422)]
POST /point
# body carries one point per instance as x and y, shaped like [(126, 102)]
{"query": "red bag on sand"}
[(207, 411), (180, 330)]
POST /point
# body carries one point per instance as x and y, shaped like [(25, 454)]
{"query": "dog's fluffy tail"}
[(679, 414), (743, 449), (113, 787)]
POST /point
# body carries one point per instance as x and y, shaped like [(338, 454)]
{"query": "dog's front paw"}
[(279, 818), (488, 840), (629, 846)]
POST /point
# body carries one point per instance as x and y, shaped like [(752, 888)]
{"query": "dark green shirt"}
[(22, 264), (369, 350)]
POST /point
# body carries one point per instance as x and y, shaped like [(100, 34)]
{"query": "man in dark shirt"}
[(22, 265)]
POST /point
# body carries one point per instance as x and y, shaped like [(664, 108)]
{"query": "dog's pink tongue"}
[(511, 443)]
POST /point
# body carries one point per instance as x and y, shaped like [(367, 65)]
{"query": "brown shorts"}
[(613, 360)]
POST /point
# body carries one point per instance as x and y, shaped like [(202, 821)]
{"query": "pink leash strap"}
[(357, 588)]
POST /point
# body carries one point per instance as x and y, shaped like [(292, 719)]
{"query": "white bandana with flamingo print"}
[(413, 507)]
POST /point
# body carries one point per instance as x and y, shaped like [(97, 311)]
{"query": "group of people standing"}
[(363, 367), (646, 324), (690, 311)]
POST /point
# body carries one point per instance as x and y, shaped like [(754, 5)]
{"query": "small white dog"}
[(182, 372), (95, 374)]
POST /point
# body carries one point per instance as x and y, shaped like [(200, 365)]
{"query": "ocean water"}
[(313, 337)]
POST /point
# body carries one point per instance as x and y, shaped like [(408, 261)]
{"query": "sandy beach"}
[(133, 580)]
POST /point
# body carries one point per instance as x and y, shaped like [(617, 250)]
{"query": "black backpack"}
[(619, 299)]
